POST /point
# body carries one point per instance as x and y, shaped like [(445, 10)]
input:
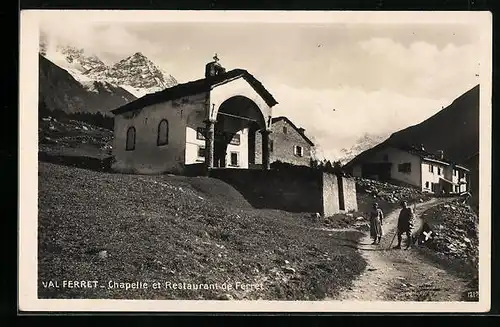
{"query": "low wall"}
[(294, 190), (297, 189)]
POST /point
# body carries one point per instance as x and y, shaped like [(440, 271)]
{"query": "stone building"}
[(288, 143), (204, 122)]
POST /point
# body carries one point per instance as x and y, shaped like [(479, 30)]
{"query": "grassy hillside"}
[(126, 228)]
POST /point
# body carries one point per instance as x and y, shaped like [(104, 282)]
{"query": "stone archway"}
[(236, 115)]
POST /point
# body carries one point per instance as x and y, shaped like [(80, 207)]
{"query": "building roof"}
[(301, 132), (424, 155), (195, 87)]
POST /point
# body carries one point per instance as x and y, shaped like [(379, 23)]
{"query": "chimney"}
[(301, 130), (440, 154)]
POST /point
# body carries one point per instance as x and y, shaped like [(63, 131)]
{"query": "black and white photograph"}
[(255, 161)]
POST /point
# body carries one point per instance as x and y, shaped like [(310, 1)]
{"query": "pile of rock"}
[(74, 133), (455, 231), (389, 192)]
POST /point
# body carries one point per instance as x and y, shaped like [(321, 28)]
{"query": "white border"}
[(28, 160)]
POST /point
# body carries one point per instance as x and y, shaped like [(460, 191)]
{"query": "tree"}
[(328, 166)]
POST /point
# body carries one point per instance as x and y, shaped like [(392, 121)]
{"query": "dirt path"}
[(401, 275)]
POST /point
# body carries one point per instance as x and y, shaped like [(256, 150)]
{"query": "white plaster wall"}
[(427, 176), (396, 157), (399, 157), (237, 87), (148, 157), (461, 177), (463, 187), (242, 149), (192, 144), (454, 178)]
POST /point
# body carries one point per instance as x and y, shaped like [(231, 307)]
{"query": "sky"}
[(339, 81)]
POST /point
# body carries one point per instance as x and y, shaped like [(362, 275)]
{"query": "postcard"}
[(259, 161)]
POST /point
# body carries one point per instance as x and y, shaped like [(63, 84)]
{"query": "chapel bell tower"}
[(214, 68)]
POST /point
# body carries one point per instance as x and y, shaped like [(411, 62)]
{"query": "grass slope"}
[(179, 229)]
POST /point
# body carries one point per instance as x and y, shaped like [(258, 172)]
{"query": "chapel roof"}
[(195, 87)]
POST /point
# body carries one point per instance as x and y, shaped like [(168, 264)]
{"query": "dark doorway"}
[(340, 182), (251, 143), (380, 171), (234, 159)]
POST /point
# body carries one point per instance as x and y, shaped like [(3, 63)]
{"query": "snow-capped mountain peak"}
[(136, 73), (364, 143), (139, 73), (80, 59)]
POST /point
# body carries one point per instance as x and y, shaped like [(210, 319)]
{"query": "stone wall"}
[(296, 190), (293, 189), (349, 193), (330, 195)]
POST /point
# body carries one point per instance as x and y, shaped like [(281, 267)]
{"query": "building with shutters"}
[(430, 172)]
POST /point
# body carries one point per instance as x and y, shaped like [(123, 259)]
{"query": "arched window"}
[(130, 139), (162, 133)]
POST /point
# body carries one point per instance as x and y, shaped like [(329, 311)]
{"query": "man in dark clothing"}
[(405, 224)]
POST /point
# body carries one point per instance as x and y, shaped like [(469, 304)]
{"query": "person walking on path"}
[(405, 224), (376, 217)]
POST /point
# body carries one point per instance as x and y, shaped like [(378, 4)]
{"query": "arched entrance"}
[(236, 121)]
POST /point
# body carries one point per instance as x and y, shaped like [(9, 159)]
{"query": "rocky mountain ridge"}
[(364, 143), (59, 90), (137, 74)]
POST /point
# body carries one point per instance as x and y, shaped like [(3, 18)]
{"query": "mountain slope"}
[(454, 130), (60, 90), (136, 73)]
